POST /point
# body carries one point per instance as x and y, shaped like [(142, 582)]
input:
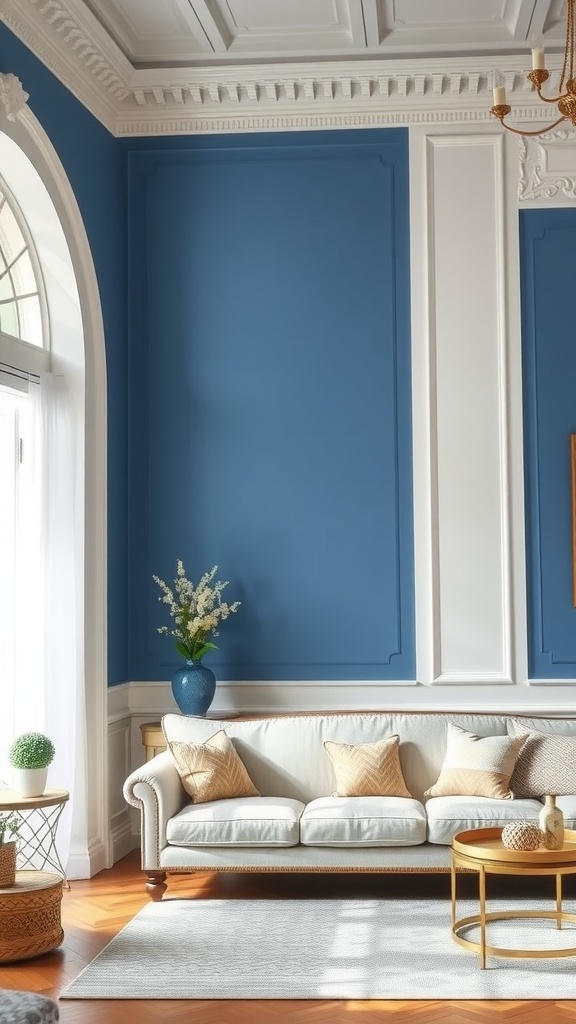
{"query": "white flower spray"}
[(196, 611)]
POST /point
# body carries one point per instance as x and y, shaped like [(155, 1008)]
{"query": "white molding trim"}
[(30, 135), (69, 40), (149, 701), (548, 169), (12, 96), (462, 373)]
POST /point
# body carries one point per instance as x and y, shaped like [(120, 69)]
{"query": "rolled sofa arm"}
[(157, 790)]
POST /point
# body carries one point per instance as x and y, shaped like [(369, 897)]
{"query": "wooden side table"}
[(39, 817), (152, 739), (30, 915)]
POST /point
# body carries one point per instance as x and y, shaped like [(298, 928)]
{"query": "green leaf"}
[(201, 651), (183, 650)]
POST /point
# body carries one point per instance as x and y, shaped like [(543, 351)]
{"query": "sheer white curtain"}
[(49, 665)]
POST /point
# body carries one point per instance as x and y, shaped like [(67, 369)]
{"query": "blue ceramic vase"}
[(193, 688)]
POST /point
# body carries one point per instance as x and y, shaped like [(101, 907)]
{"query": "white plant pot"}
[(30, 782)]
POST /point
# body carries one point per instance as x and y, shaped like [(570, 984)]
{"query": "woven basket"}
[(7, 865), (521, 835), (30, 916)]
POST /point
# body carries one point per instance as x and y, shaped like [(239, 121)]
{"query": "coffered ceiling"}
[(149, 66)]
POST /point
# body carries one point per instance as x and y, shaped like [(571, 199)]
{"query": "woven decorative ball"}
[(521, 835)]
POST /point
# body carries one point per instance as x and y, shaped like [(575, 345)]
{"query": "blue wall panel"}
[(270, 399), (548, 243)]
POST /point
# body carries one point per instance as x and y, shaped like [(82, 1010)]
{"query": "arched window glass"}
[(21, 291)]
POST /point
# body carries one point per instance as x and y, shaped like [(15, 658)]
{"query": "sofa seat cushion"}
[(448, 815), (243, 821), (363, 821)]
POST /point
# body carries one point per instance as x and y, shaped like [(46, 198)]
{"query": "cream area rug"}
[(322, 949)]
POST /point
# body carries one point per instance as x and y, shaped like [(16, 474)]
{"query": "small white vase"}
[(30, 782), (551, 821)]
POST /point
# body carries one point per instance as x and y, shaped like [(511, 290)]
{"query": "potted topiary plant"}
[(30, 755), (9, 825)]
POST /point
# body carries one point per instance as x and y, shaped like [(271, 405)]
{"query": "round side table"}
[(482, 850), (39, 817)]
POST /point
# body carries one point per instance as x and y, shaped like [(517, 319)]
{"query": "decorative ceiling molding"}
[(547, 169), (70, 41)]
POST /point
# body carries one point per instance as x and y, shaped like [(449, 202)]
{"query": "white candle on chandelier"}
[(537, 52), (498, 89)]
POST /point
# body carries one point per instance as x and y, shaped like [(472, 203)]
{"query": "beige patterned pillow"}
[(212, 770), (477, 765), (547, 763), (367, 769)]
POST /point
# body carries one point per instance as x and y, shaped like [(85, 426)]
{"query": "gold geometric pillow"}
[(367, 769), (477, 765), (212, 770)]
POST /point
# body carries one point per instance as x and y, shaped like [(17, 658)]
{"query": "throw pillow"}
[(477, 765), (546, 765), (367, 769), (212, 770)]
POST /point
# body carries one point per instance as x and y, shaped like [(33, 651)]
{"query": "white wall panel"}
[(467, 424)]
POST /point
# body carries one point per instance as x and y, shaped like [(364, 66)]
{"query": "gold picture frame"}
[(573, 490)]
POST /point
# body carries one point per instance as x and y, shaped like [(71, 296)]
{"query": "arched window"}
[(52, 359), (22, 299)]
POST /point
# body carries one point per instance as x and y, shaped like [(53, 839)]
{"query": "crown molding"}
[(69, 40)]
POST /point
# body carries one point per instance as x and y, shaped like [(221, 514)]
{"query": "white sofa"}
[(296, 824)]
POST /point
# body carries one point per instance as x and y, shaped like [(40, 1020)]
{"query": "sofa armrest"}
[(155, 788)]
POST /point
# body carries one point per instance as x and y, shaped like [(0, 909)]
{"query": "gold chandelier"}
[(566, 101)]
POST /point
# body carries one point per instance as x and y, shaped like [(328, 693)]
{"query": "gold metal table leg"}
[(453, 891), (559, 901), (482, 899)]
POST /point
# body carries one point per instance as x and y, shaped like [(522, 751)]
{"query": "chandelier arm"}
[(552, 99), (540, 131)]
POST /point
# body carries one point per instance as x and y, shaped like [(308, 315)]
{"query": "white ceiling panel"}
[(152, 31), (464, 26), (280, 28)]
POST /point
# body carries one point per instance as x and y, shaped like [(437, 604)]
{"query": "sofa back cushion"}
[(285, 756)]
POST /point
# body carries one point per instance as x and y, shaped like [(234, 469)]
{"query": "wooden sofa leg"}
[(156, 884)]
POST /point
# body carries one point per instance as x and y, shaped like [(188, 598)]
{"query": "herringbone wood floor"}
[(96, 909)]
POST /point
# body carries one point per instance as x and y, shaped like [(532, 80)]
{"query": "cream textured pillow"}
[(212, 770), (547, 763), (477, 765), (367, 769)]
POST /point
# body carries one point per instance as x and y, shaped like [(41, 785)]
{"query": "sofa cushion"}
[(477, 765), (246, 821), (212, 770), (448, 815), (546, 763), (363, 821), (367, 769)]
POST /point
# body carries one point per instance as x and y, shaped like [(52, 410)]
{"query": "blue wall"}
[(270, 398), (93, 161), (548, 243)]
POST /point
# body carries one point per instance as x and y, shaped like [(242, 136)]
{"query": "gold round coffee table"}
[(482, 850)]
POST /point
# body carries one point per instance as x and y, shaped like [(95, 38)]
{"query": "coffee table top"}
[(485, 844)]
